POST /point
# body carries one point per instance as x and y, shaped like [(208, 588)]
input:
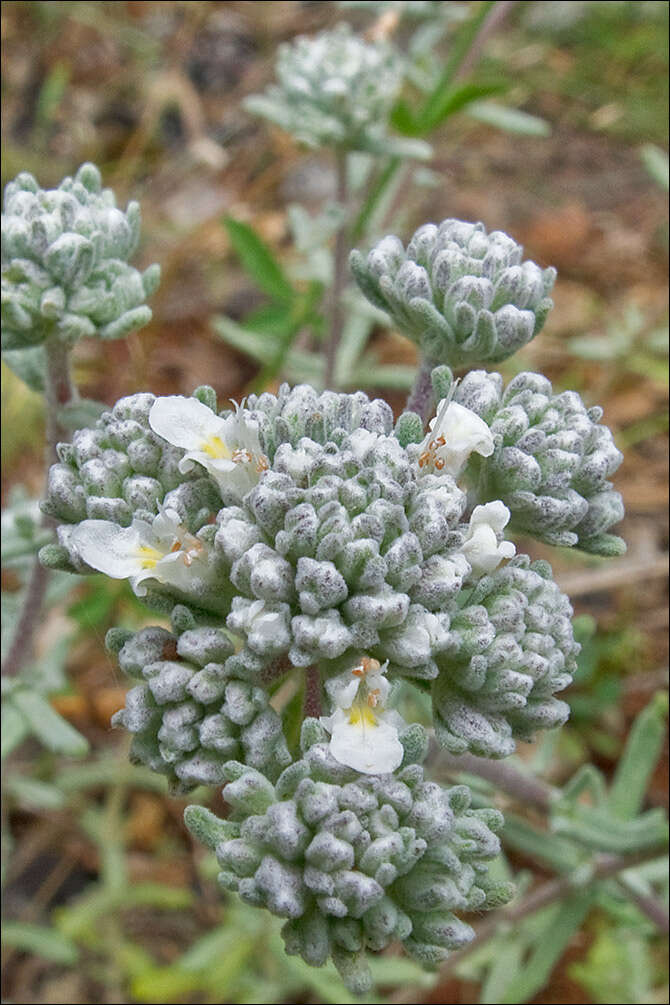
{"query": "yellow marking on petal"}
[(214, 447), (149, 557), (362, 715)]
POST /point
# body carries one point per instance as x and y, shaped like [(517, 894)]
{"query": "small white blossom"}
[(455, 433), (364, 734), (163, 550), (482, 546), (228, 448)]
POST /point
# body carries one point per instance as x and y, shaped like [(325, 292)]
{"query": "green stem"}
[(59, 391), (340, 269)]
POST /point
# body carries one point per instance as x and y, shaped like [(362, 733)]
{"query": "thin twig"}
[(59, 391), (654, 909), (525, 788), (339, 268), (421, 396), (619, 573), (312, 706), (602, 867)]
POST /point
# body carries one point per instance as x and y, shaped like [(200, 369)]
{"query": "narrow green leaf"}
[(82, 413), (258, 260), (454, 101), (640, 757), (46, 942), (504, 968), (14, 728), (549, 949), (510, 120), (259, 346), (48, 726), (402, 119), (656, 162), (34, 794)]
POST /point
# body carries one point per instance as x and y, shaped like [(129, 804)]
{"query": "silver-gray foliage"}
[(65, 255), (336, 90), (463, 295), (552, 461), (355, 862)]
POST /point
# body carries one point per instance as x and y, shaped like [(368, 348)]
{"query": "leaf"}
[(29, 364), (258, 260), (40, 940), (640, 757), (549, 948), (656, 162), (14, 728), (510, 120), (48, 726), (33, 794), (454, 101), (80, 414)]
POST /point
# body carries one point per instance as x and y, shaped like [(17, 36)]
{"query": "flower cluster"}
[(323, 541), (336, 90), (463, 295), (65, 270), (308, 549), (551, 461), (355, 862)]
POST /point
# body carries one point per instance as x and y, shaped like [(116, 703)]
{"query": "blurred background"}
[(97, 855)]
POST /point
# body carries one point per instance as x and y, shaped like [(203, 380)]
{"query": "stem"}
[(602, 866), (522, 787), (420, 399), (340, 269), (59, 391), (312, 693)]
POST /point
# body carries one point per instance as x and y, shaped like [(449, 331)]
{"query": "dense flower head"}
[(463, 295), (187, 714), (335, 89), (342, 546), (551, 462), (65, 270), (355, 862)]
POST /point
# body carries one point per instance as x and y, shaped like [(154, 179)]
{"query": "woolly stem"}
[(420, 399), (521, 786), (312, 693), (59, 391), (339, 269)]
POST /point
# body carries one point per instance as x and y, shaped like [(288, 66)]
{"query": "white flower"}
[(482, 547), (162, 550), (364, 735), (455, 433), (228, 448)]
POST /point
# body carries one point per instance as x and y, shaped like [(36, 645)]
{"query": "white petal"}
[(495, 514), (184, 422), (109, 548), (343, 688), (372, 750)]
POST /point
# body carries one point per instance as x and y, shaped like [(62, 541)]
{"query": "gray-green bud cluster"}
[(355, 862), (463, 295), (551, 463), (187, 714), (65, 270), (510, 649), (336, 90)]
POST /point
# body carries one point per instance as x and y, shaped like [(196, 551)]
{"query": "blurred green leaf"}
[(14, 728), (46, 942), (47, 725), (33, 794), (81, 413), (617, 968), (640, 756), (536, 970), (510, 120), (258, 260), (656, 162)]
